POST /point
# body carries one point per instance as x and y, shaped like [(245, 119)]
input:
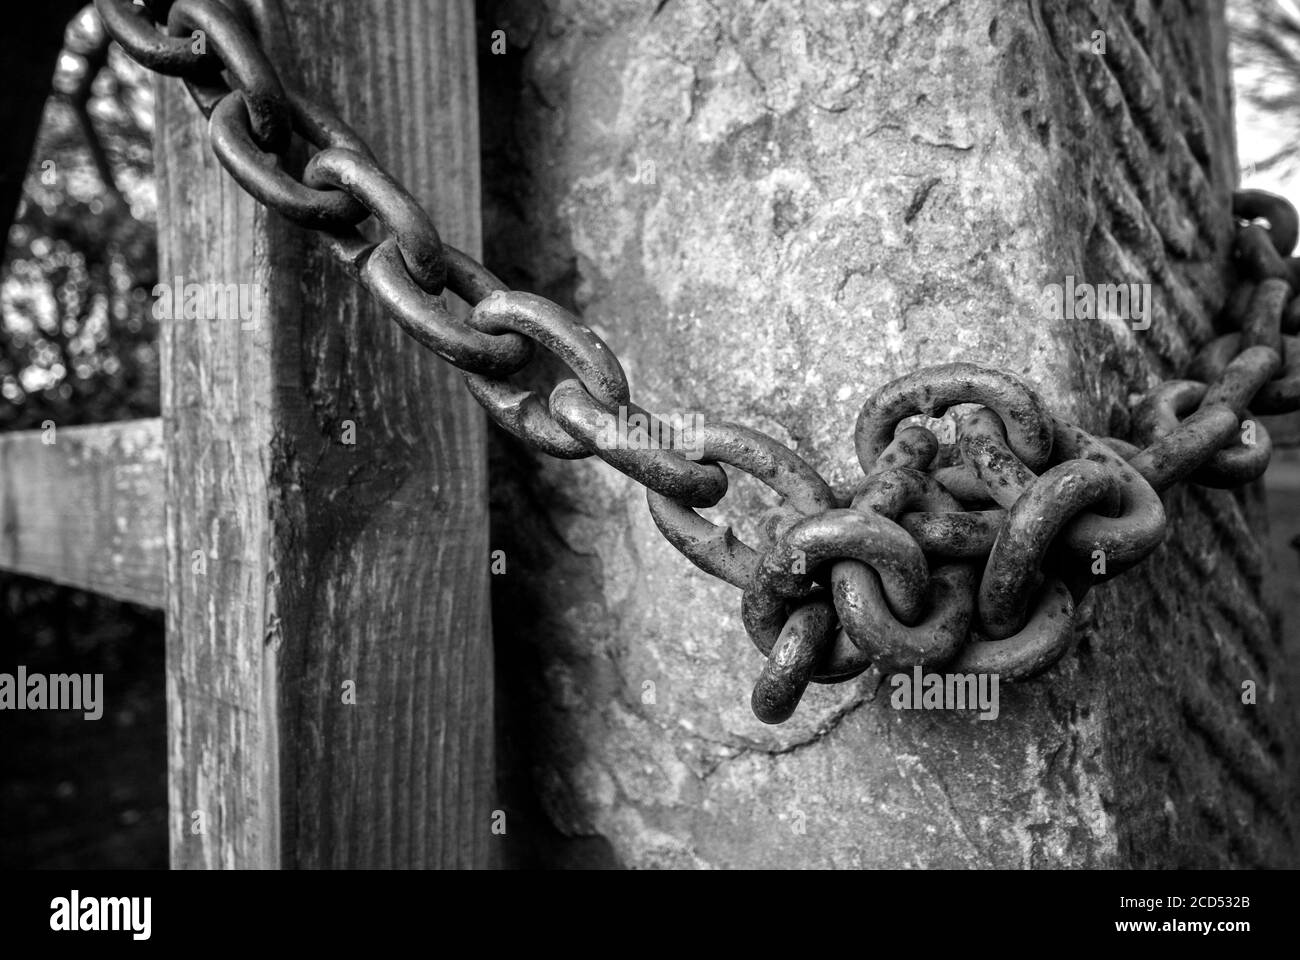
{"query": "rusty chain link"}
[(971, 555)]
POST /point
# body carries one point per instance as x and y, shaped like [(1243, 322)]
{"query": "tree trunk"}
[(770, 210)]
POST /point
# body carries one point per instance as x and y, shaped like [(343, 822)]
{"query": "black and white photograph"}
[(651, 435)]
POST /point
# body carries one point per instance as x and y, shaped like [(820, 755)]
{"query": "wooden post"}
[(329, 659)]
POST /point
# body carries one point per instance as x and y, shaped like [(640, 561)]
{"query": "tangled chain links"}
[(973, 554)]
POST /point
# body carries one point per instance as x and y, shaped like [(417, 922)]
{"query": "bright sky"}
[(1261, 134)]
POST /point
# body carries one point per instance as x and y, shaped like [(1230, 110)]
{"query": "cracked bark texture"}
[(769, 210)]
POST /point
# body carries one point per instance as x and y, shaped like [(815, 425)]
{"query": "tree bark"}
[(841, 194)]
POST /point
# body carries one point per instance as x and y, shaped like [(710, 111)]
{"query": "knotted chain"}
[(973, 554)]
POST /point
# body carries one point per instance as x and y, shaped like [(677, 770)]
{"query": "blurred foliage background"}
[(79, 344), (1265, 38)]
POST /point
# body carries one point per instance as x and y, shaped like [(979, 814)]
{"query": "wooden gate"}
[(311, 508)]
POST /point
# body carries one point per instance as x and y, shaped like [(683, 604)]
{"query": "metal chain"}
[(974, 554)]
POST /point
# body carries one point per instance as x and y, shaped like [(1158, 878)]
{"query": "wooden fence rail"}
[(83, 506)]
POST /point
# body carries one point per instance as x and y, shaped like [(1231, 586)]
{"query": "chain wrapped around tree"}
[(972, 555)]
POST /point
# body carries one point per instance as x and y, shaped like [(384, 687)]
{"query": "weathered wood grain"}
[(83, 506), (301, 567)]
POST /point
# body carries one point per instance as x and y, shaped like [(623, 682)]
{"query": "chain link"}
[(260, 173), (971, 555)]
